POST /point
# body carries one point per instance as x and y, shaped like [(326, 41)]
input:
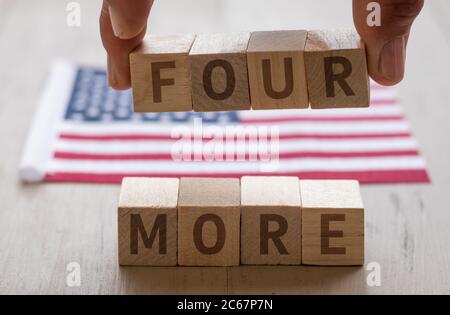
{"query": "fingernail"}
[(116, 23), (392, 59)]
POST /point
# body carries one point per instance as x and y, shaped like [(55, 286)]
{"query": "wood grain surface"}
[(209, 217), (270, 221), (336, 69), (45, 227), (219, 72), (147, 222), (276, 69), (160, 74)]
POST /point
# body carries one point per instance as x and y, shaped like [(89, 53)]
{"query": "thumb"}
[(128, 17), (121, 34), (386, 41)]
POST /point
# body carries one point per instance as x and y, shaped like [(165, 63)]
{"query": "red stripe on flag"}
[(394, 176), (291, 155), (118, 137), (150, 137)]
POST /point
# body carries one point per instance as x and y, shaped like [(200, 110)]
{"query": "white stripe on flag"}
[(307, 145), (383, 93), (341, 112), (351, 127), (294, 165)]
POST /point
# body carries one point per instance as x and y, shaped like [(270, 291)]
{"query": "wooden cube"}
[(147, 221), (332, 223), (276, 70), (336, 69), (160, 74), (270, 221), (208, 222), (219, 72)]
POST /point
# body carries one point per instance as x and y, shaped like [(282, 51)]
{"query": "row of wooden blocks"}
[(226, 221), (259, 70)]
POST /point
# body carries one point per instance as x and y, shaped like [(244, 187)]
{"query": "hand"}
[(386, 44), (123, 24)]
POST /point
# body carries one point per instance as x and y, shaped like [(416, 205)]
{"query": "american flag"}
[(85, 132)]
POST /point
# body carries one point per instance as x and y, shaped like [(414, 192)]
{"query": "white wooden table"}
[(46, 226)]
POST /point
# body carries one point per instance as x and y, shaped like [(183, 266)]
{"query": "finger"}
[(386, 43), (118, 50), (128, 17)]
